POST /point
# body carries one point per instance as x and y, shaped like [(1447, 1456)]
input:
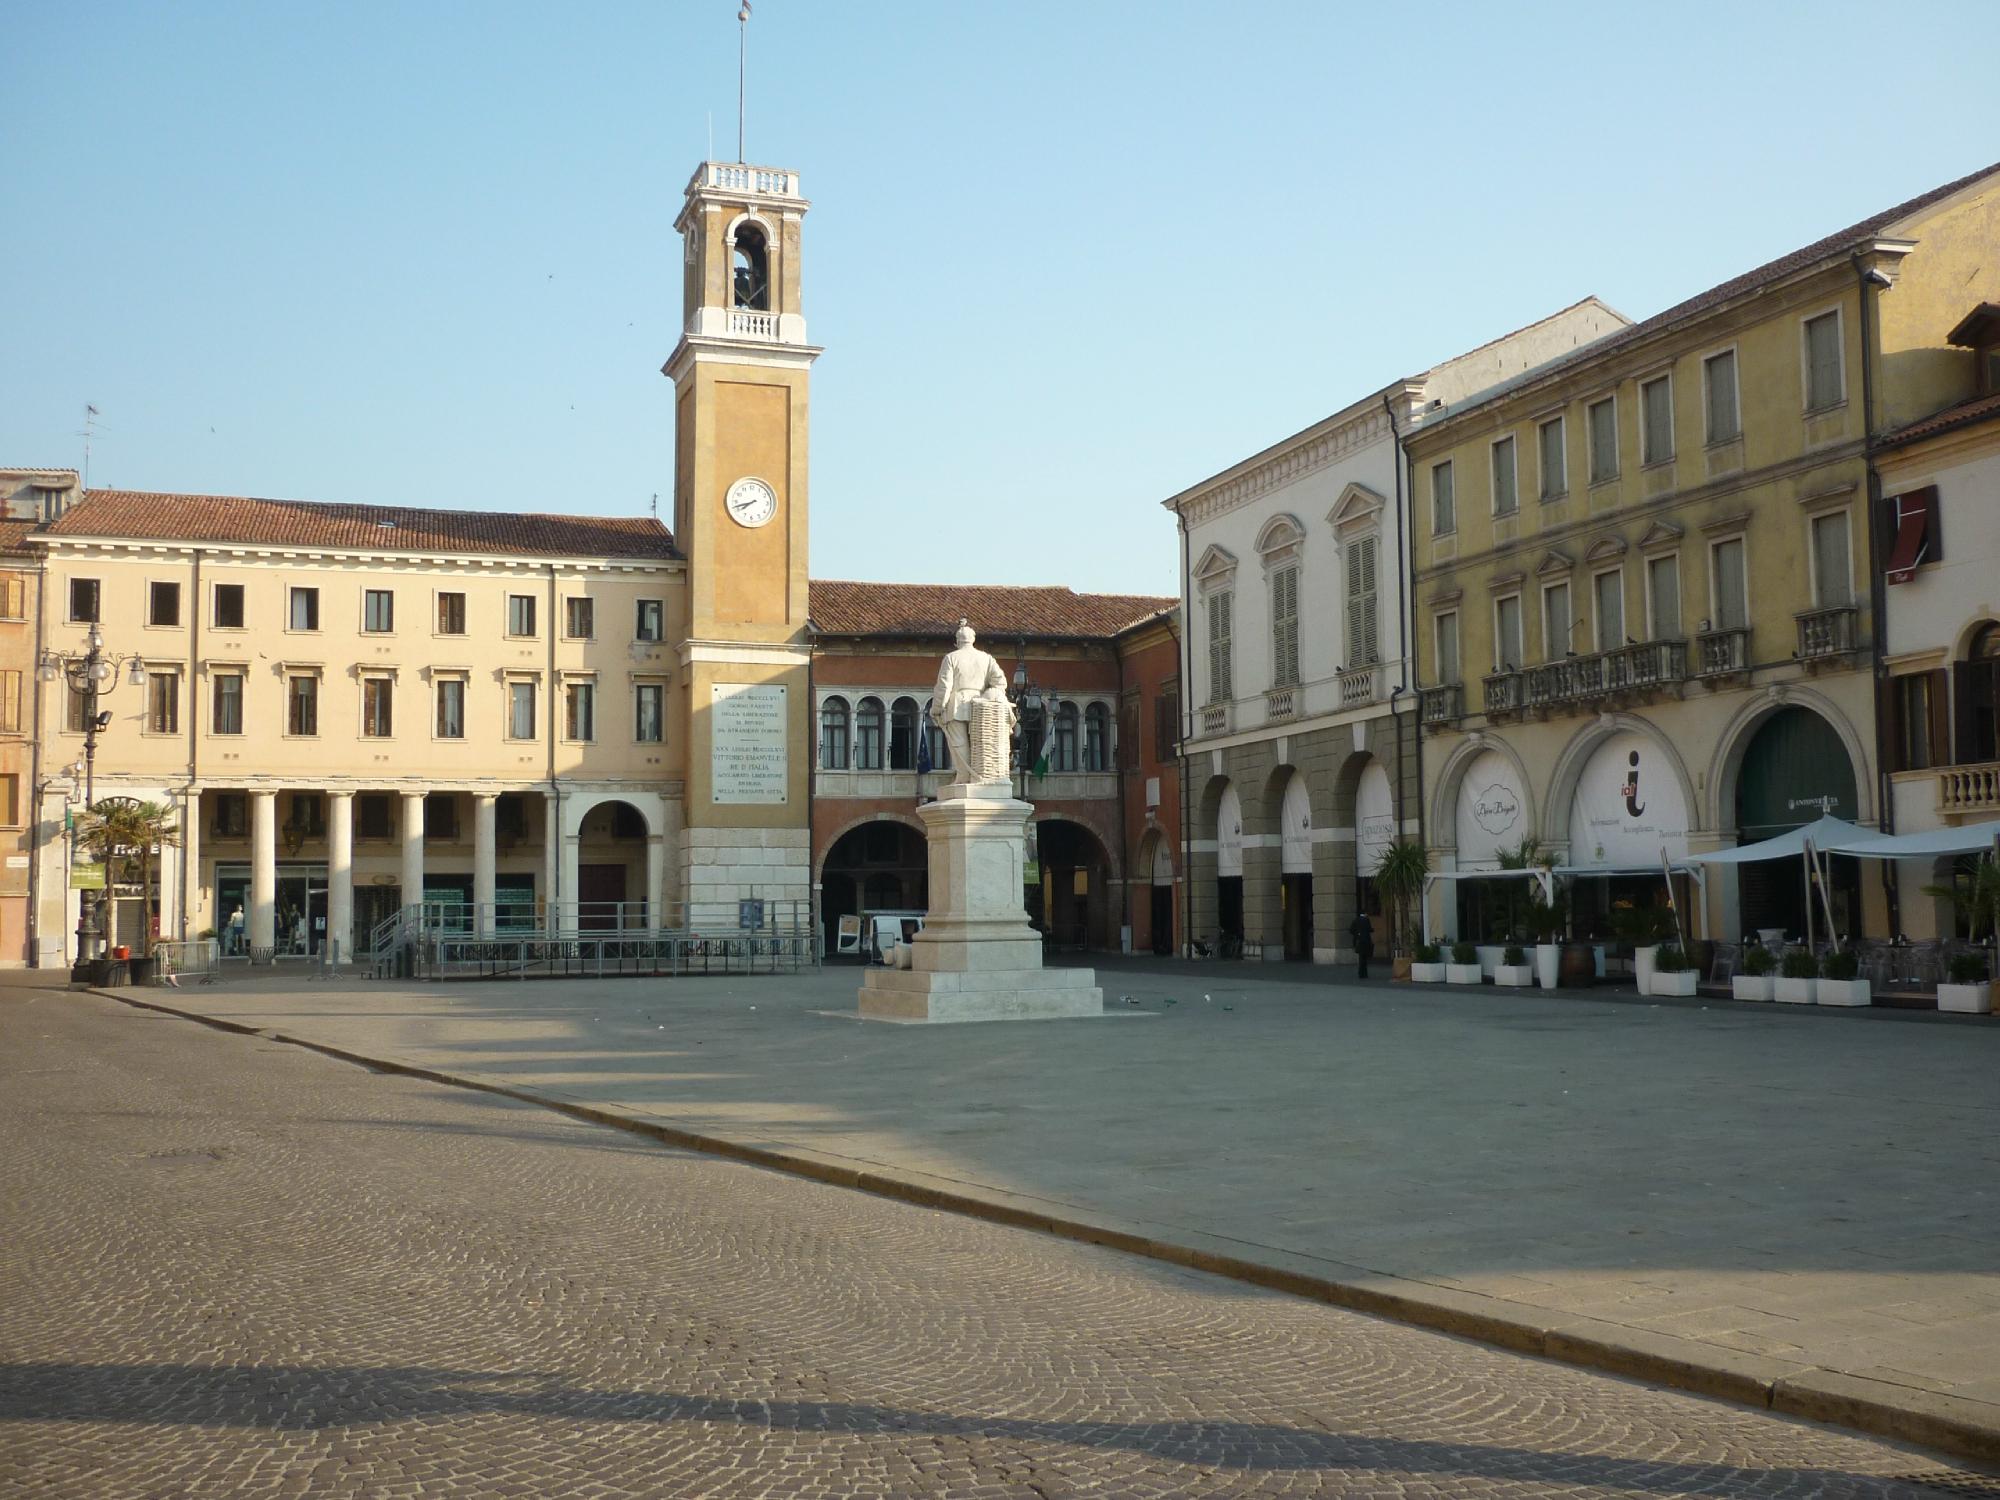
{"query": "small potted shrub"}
[(1645, 928), (1672, 975), (1755, 982), (1464, 965), (1840, 981), (1428, 966), (1798, 977), (1970, 990), (1514, 971)]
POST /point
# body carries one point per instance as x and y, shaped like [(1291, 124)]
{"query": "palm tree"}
[(134, 831), (1400, 879), (1977, 899), (1529, 854)]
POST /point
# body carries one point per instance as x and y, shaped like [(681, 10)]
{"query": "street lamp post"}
[(92, 675)]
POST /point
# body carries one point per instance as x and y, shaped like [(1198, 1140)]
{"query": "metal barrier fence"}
[(195, 957)]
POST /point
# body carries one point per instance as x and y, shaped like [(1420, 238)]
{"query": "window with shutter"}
[(1507, 634), (1447, 647), (1221, 685), (1832, 572), (1285, 627), (1732, 606), (1824, 383), (1364, 646), (1663, 597), (1719, 373)]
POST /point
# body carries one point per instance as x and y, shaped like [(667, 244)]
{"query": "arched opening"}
[(1490, 818), (903, 735), (1795, 769), (1069, 886), (1295, 864), (1628, 812), (1978, 699), (751, 261), (1156, 867), (611, 868), (1229, 870), (833, 733), (1374, 832), (874, 869), (868, 726)]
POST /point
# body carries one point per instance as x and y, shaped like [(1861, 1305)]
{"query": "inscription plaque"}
[(747, 743)]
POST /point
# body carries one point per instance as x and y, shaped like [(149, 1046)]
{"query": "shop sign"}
[(1628, 806), (1492, 811), (87, 875)]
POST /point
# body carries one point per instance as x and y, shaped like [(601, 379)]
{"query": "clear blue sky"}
[(1065, 258)]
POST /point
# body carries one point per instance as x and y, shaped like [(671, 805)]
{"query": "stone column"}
[(263, 913), (413, 847), (191, 907), (483, 859), (656, 874), (340, 875), (552, 860)]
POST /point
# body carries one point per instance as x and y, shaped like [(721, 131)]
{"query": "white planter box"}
[(1462, 973), (1489, 957), (1642, 967), (1752, 986), (1843, 992), (1796, 991), (1548, 964), (1966, 999), (1427, 973), (1678, 982), (1514, 976)]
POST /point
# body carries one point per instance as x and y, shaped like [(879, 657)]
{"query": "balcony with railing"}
[(748, 323), (1281, 703), (1969, 789), (1722, 653), (1214, 719), (1639, 670), (1645, 665), (1360, 685), (1503, 694), (1828, 634), (1441, 707), (736, 177)]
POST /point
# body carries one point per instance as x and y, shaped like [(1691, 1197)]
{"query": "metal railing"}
[(1721, 652), (194, 957), (1442, 705), (1828, 632)]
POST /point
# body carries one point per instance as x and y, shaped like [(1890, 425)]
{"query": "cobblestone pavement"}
[(232, 1268)]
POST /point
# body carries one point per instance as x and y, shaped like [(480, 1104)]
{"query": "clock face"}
[(751, 502)]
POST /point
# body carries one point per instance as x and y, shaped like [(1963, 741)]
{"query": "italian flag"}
[(1041, 766)]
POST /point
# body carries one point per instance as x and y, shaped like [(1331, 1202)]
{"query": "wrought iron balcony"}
[(1503, 694), (1359, 685), (1826, 633), (1722, 653), (1442, 706), (1969, 789)]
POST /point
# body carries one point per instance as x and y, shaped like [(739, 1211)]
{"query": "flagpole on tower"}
[(742, 50)]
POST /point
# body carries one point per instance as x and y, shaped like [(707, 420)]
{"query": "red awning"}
[(1911, 516)]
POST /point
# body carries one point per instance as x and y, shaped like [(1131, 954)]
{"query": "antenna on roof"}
[(88, 433), (656, 505), (742, 51)]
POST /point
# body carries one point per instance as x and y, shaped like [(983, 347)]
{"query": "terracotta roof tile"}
[(368, 528), (934, 609), (1965, 414), (13, 535)]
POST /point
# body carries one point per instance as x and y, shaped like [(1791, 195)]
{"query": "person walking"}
[(1363, 933), (235, 931)]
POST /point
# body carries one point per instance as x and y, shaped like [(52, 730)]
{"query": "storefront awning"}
[(1973, 838), (1827, 835), (1680, 866)]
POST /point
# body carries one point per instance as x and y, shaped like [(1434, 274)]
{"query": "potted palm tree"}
[(1840, 981), (124, 829), (1970, 988), (1755, 982), (1978, 902), (1798, 977), (1400, 879), (1545, 918), (1672, 973)]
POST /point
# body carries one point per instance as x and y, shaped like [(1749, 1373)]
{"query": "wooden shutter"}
[(1221, 689), (1961, 713), (1364, 645), (1940, 721), (1889, 705)]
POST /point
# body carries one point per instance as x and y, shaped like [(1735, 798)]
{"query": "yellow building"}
[(1643, 583)]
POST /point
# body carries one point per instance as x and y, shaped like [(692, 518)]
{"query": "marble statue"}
[(969, 703)]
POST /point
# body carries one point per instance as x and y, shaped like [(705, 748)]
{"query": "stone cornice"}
[(1294, 459)]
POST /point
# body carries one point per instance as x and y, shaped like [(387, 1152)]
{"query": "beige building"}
[(27, 497)]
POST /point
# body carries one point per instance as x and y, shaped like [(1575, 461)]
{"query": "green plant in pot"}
[(1969, 988), (1514, 958), (1671, 961), (1800, 964), (1758, 962), (1969, 968), (1429, 953), (1841, 966), (1464, 953), (1400, 880)]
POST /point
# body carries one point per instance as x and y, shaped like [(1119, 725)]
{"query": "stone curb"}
[(1947, 1424)]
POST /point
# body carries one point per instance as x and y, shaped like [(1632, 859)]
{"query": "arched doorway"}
[(1069, 898), (1795, 769), (1229, 869), (611, 868), (875, 867), (1158, 862), (1295, 887), (1491, 816), (1374, 832)]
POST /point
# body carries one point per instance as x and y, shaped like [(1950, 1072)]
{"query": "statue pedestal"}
[(977, 958)]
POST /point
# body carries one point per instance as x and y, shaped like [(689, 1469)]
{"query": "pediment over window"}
[(1502, 582), (1659, 535), (1606, 549), (1280, 539), (1216, 565), (1358, 507), (1554, 561)]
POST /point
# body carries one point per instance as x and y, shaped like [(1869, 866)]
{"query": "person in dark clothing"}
[(1363, 933)]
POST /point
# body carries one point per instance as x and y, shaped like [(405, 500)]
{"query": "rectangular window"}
[(1718, 378), (1506, 499), (1555, 622), (378, 611), (13, 596), (378, 706), (227, 690), (650, 713), (1732, 600), (10, 801), (1446, 635), (1656, 420), (1833, 577), (229, 606), (76, 710), (451, 708), (163, 703), (1825, 382), (1913, 717), (521, 614), (302, 705), (1663, 597), (1603, 440), (652, 622), (580, 619), (1364, 642), (441, 816), (304, 610), (1555, 459), (1221, 682), (163, 604), (232, 815), (520, 710), (1444, 504), (1609, 589), (308, 815), (371, 815), (1507, 634), (10, 702), (451, 614), (580, 711), (83, 600), (510, 816), (1285, 627)]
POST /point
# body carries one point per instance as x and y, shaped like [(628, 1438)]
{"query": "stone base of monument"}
[(977, 958)]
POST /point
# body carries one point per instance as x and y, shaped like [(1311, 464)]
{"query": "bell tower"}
[(740, 374)]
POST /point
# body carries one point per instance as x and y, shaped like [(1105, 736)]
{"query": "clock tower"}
[(740, 376)]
